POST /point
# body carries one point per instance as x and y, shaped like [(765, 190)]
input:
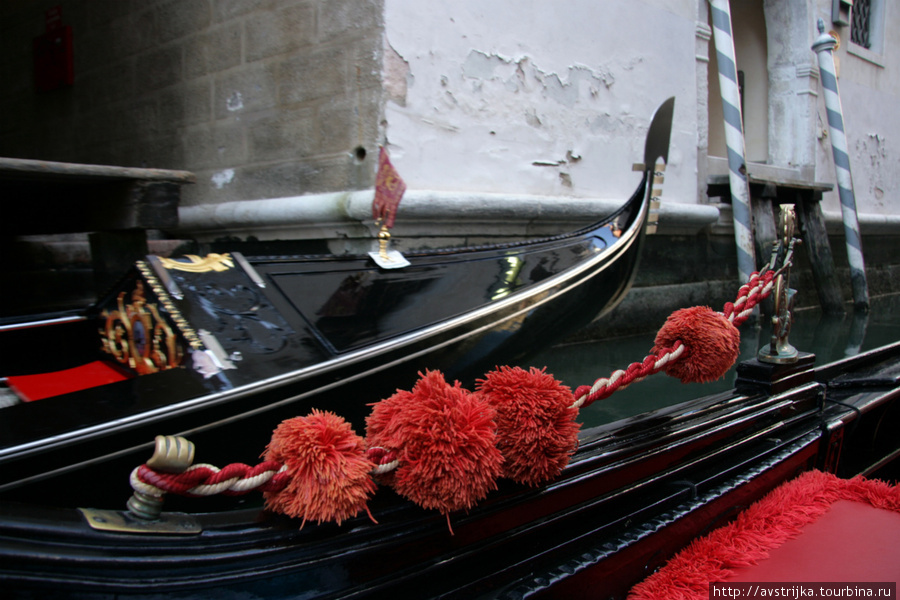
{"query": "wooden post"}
[(815, 238), (734, 138), (764, 233), (824, 48), (768, 189)]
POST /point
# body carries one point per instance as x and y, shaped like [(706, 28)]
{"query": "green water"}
[(828, 337)]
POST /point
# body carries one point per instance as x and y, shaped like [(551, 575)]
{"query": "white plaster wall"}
[(538, 97), (751, 54), (870, 97)]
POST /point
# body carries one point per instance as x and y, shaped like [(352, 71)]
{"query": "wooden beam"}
[(815, 238)]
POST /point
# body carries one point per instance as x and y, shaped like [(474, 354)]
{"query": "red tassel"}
[(328, 469), (444, 438), (712, 344), (536, 427)]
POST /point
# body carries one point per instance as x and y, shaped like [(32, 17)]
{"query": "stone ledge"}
[(50, 170), (422, 213)]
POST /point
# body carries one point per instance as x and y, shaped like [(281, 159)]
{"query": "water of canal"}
[(829, 337)]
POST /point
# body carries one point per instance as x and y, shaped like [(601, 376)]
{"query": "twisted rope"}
[(206, 480), (385, 460), (758, 288), (621, 379), (234, 479), (751, 293)]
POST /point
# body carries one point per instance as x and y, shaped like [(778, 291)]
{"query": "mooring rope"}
[(749, 295)]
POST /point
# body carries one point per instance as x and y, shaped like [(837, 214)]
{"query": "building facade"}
[(280, 106)]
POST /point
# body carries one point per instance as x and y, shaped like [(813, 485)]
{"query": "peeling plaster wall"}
[(869, 83), (794, 85), (538, 97)]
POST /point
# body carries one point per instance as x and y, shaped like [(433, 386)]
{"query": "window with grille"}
[(860, 23)]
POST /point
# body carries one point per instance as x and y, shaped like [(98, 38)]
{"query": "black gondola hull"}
[(635, 492)]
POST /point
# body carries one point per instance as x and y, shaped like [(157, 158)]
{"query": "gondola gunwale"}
[(12, 324)]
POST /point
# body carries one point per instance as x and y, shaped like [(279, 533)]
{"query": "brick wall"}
[(260, 98)]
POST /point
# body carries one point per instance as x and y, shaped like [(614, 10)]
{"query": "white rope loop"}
[(145, 488)]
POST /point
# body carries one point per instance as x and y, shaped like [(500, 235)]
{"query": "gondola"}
[(228, 345), (634, 492)]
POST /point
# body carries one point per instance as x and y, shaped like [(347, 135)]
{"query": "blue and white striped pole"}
[(734, 138), (824, 48)]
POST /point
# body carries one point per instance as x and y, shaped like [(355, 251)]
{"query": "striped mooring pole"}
[(824, 48), (734, 138)]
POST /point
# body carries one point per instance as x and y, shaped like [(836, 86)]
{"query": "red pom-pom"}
[(712, 344), (327, 465), (444, 438), (536, 427)]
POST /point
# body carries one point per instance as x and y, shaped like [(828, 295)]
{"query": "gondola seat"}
[(45, 385), (815, 528)]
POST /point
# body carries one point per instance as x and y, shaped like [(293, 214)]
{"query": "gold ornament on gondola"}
[(137, 336), (196, 264)]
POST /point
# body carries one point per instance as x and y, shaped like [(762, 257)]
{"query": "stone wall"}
[(284, 102), (278, 98), (261, 98)]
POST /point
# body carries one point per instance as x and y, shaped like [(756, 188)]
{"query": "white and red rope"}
[(621, 379), (749, 295), (234, 479), (207, 480), (385, 460)]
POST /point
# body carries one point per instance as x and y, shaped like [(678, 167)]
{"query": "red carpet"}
[(815, 528), (45, 385)]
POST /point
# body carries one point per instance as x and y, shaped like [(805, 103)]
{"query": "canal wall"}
[(701, 270), (692, 260)]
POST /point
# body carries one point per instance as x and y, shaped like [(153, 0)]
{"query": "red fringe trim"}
[(767, 524)]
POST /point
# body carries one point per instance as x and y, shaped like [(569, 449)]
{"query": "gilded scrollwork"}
[(183, 326), (196, 264), (137, 336)]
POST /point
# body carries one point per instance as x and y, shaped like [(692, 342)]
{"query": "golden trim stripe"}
[(186, 330)]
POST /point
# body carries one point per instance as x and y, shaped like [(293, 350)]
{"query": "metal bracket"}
[(117, 521), (171, 454)]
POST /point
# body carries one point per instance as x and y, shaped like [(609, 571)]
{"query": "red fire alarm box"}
[(54, 66)]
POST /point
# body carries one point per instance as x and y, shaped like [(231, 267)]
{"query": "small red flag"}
[(389, 189)]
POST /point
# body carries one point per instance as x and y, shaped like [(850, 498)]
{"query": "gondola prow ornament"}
[(779, 351)]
